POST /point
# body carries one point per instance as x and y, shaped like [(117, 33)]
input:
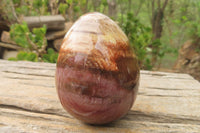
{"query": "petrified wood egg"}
[(97, 74)]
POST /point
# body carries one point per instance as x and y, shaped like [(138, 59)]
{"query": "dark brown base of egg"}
[(92, 96)]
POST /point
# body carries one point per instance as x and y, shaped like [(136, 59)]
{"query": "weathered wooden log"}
[(167, 102), (10, 46), (56, 22), (52, 35), (57, 43), (9, 54), (5, 37)]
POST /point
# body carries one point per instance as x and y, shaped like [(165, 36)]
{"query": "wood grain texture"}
[(167, 102), (5, 37), (55, 22), (10, 46), (53, 35)]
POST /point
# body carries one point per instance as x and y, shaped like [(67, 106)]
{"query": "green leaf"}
[(50, 51), (31, 57), (28, 56), (16, 1), (21, 55), (12, 59), (51, 56), (76, 9), (37, 3), (69, 1), (104, 2), (22, 10), (140, 37), (39, 36), (62, 8), (184, 18), (18, 34)]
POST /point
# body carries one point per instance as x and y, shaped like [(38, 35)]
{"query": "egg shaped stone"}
[(97, 73)]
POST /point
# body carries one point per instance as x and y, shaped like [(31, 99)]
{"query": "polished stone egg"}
[(97, 72)]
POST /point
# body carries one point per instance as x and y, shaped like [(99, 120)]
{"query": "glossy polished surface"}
[(97, 74)]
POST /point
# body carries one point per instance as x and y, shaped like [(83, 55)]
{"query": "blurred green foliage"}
[(23, 37), (51, 56), (25, 56), (140, 37), (180, 23), (18, 34), (34, 43), (63, 8), (32, 8)]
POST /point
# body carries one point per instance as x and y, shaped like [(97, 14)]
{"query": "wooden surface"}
[(10, 46), (56, 22), (167, 102), (53, 35), (5, 37)]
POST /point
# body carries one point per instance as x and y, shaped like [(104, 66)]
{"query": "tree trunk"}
[(96, 4), (157, 27), (53, 6), (112, 8), (157, 32), (85, 8)]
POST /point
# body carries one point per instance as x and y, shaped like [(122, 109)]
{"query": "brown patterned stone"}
[(97, 72)]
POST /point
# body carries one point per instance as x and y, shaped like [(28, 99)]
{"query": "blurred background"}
[(164, 33)]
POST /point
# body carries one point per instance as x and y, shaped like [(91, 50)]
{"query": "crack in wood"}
[(143, 94), (13, 107), (170, 89), (162, 118), (41, 85), (2, 124), (9, 77), (32, 68), (42, 75), (132, 116), (165, 75)]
